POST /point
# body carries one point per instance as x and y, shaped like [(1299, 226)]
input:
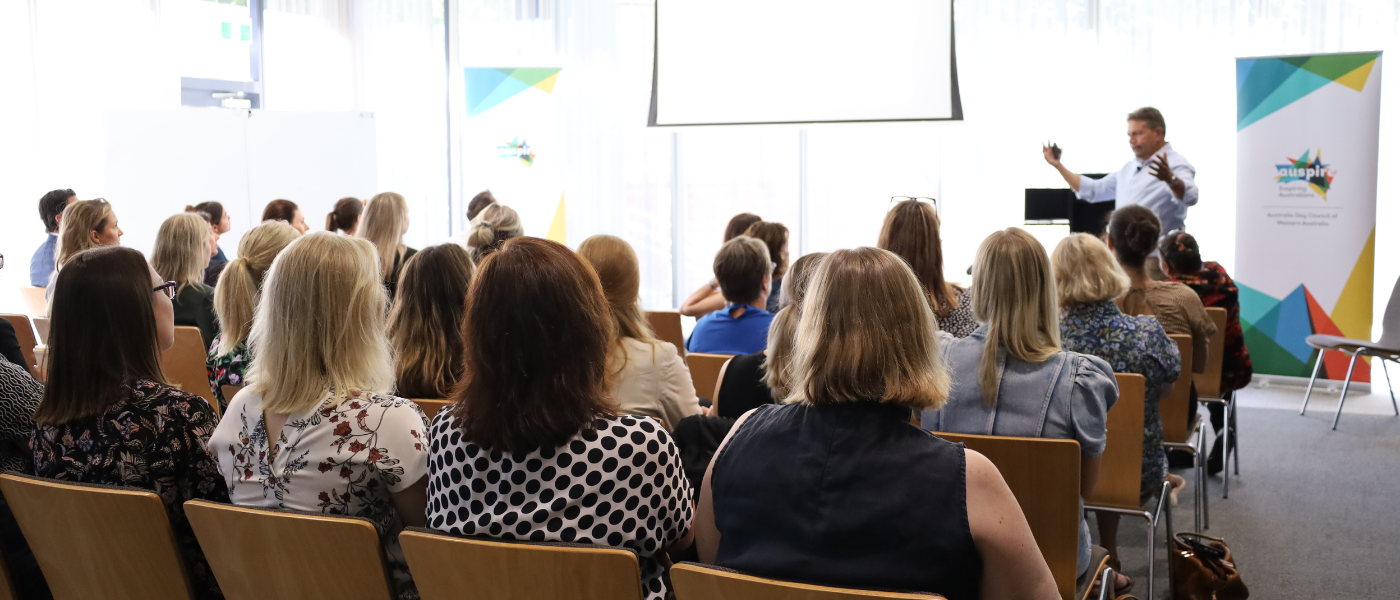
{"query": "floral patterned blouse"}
[(1217, 289), (1130, 344), (156, 438), (226, 369), (343, 456)]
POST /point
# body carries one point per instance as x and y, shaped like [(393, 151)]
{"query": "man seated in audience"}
[(744, 276), (51, 212)]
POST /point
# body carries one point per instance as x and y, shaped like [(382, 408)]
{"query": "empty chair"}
[(1178, 426), (24, 334), (98, 541), (1386, 349), (704, 371), (1211, 391), (704, 582), (184, 365), (431, 406), (265, 554), (41, 327), (667, 326), (444, 566), (35, 301)]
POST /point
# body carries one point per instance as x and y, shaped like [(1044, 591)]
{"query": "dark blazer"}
[(194, 307)]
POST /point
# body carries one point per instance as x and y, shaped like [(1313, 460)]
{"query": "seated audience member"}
[(345, 217), (222, 223), (707, 299), (744, 273), (385, 222), (285, 210), (107, 415), (20, 395), (1181, 262), (321, 365), (425, 325), (911, 232), (865, 499), (51, 213), (182, 251), (534, 392), (775, 236), (479, 203), (9, 345), (648, 375), (1087, 280), (492, 227), (236, 298), (749, 381), (1010, 377), (86, 224)]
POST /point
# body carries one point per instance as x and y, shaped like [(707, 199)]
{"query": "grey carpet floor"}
[(1314, 513)]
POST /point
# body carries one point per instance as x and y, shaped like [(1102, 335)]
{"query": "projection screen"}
[(726, 62)]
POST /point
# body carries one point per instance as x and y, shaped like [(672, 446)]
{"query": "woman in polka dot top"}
[(533, 448)]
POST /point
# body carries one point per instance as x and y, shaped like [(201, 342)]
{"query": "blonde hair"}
[(1013, 292), (79, 219), (613, 259), (784, 325), (867, 333), (383, 225), (320, 325), (236, 295), (1086, 271), (492, 226), (182, 249)]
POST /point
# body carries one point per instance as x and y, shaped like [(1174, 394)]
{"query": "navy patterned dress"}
[(1131, 344)]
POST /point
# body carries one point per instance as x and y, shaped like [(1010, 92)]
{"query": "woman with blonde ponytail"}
[(492, 227), (236, 299), (384, 222), (1010, 377), (648, 376)]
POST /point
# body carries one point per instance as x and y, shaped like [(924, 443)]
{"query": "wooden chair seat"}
[(35, 301), (431, 406), (1208, 382), (704, 372), (444, 566), (1177, 427), (24, 334), (707, 582), (97, 541), (666, 325), (184, 365), (264, 554)]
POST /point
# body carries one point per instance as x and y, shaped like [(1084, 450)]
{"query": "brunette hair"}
[(214, 210), (739, 224), (52, 205), (345, 215), (613, 259), (425, 325), (280, 210), (537, 332), (1133, 230), (102, 336), (911, 232), (739, 267), (479, 203), (1013, 292), (1150, 117), (1180, 252), (784, 325), (775, 236)]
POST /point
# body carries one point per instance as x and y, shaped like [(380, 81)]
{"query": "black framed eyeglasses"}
[(168, 288), (924, 199)]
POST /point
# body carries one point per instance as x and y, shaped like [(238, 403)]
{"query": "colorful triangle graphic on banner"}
[(1275, 331), (1265, 85), (488, 87), (558, 228)]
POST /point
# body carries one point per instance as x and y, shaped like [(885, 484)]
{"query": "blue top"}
[(41, 265), (719, 333), (848, 494)]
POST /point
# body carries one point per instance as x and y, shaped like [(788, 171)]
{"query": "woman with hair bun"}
[(345, 217), (235, 300), (287, 211), (491, 228)]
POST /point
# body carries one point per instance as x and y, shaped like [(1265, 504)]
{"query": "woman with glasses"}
[(184, 244), (107, 415), (911, 232)]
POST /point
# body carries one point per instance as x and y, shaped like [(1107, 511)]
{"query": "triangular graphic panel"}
[(1335, 364), (558, 228), (1275, 331), (1352, 314), (1254, 303), (1264, 351), (487, 87), (1265, 85), (1356, 79), (1294, 326)]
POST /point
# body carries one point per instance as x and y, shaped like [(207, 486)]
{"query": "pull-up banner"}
[(1305, 223)]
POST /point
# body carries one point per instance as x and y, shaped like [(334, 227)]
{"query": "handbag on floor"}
[(1202, 568)]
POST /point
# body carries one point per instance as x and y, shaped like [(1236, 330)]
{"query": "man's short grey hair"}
[(1150, 117)]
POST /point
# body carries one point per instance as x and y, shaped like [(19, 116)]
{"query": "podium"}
[(1058, 206)]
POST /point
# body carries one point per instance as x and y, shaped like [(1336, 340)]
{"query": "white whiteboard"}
[(159, 161)]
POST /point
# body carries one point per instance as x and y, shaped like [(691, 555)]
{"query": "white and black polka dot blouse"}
[(620, 485)]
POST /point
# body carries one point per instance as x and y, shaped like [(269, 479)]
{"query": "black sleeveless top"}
[(743, 388), (847, 495)]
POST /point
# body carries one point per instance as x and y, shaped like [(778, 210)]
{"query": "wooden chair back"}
[(230, 391), (705, 582), (443, 566), (98, 541), (431, 406), (264, 554), (24, 333), (1176, 404), (1043, 474), (41, 327), (35, 301), (7, 587), (183, 365), (1208, 383), (704, 372), (1120, 472), (666, 325)]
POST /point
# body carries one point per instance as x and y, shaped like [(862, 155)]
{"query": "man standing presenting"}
[(1158, 177)]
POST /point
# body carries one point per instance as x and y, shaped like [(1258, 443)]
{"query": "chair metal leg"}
[(1229, 405), (1389, 386), (1205, 483), (1106, 584), (1232, 443), (1346, 384), (1313, 380)]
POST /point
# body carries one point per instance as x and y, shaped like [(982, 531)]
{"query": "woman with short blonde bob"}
[(184, 244), (1010, 377), (648, 375), (314, 423), (384, 222), (235, 299), (842, 459)]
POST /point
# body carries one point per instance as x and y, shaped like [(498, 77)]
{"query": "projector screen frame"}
[(956, 100)]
